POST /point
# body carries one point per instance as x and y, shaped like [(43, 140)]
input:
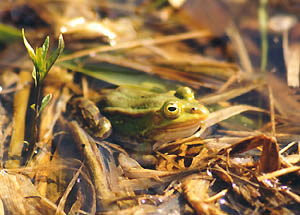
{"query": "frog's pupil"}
[(172, 109)]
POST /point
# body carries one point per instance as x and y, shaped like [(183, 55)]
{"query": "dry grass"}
[(244, 160)]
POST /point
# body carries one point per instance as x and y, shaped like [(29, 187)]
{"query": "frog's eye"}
[(172, 110)]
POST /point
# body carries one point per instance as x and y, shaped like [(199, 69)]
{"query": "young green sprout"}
[(42, 65)]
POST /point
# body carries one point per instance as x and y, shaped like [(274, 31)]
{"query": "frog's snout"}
[(201, 109)]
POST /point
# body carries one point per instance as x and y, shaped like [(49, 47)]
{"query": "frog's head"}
[(180, 116)]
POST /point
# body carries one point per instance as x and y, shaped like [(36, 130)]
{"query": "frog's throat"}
[(176, 131)]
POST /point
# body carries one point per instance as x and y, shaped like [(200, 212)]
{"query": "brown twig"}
[(137, 43)]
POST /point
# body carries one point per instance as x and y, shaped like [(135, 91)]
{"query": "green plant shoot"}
[(42, 65)]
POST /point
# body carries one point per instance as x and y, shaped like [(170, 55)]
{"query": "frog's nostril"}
[(200, 110)]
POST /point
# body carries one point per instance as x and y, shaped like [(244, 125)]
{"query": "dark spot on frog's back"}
[(141, 106)]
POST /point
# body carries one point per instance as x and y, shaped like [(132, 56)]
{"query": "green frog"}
[(140, 116)]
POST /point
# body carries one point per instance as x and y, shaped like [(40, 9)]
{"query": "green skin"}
[(139, 115)]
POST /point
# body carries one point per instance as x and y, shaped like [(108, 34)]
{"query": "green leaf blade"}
[(33, 74), (28, 47), (56, 54), (9, 34), (61, 43), (45, 102), (32, 107), (45, 48)]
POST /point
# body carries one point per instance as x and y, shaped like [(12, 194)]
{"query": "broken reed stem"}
[(272, 110), (20, 107), (239, 45), (263, 19), (89, 152), (287, 147), (278, 173)]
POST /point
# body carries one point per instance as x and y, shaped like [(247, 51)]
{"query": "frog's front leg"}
[(88, 115)]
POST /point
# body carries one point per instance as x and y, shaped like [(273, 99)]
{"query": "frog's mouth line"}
[(177, 131)]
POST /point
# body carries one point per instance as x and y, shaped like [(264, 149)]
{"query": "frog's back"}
[(133, 99)]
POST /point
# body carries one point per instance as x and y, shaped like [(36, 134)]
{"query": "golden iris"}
[(172, 110)]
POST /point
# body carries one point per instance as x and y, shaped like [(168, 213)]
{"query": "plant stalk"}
[(34, 127)]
